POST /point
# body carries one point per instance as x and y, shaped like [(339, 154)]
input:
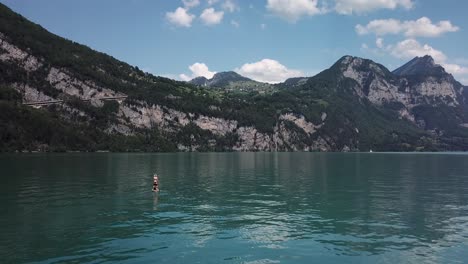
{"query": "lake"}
[(234, 208)]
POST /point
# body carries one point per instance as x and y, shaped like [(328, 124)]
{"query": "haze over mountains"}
[(101, 103)]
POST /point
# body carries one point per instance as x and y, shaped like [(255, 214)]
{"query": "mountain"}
[(58, 95), (420, 66), (438, 100), (421, 91), (221, 79), (294, 82), (231, 81), (200, 81)]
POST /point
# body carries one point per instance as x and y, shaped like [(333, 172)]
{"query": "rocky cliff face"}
[(12, 54), (249, 138), (141, 115), (419, 82), (355, 105)]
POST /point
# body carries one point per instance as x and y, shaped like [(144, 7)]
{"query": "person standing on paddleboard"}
[(155, 183)]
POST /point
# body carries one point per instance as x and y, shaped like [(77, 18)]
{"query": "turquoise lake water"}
[(234, 208)]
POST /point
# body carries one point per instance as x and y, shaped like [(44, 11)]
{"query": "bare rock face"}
[(373, 81), (144, 116), (429, 83), (11, 53), (301, 122), (380, 87), (217, 126), (31, 94), (282, 138), (119, 129), (432, 89), (61, 80), (249, 138), (411, 85)]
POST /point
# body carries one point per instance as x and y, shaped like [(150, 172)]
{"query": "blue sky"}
[(267, 40)]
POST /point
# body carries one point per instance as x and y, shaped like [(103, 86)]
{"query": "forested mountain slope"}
[(355, 105)]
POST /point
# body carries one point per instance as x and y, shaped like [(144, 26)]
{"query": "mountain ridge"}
[(420, 66), (355, 105), (231, 81)]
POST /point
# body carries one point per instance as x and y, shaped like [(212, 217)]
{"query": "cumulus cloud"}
[(348, 7), (293, 10), (379, 43), (190, 3), (410, 48), (235, 24), (212, 2), (230, 6), (180, 17), (212, 17), (380, 27), (197, 69), (267, 70), (422, 27), (455, 69)]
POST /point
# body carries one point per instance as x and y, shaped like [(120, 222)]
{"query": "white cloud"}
[(190, 3), (180, 17), (235, 24), (348, 7), (267, 70), (455, 69), (293, 10), (197, 69), (410, 48), (380, 27), (211, 17), (230, 6), (263, 26), (212, 2), (422, 27), (379, 43)]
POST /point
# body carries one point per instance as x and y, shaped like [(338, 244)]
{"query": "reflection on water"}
[(235, 208)]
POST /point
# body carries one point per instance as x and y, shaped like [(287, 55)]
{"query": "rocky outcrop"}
[(436, 90), (282, 138), (62, 80), (13, 54), (249, 138), (119, 129), (372, 81), (301, 122), (217, 126), (31, 94), (145, 116), (409, 85)]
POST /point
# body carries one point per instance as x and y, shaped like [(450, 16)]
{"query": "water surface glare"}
[(234, 208)]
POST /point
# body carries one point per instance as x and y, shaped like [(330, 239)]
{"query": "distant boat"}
[(370, 151)]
